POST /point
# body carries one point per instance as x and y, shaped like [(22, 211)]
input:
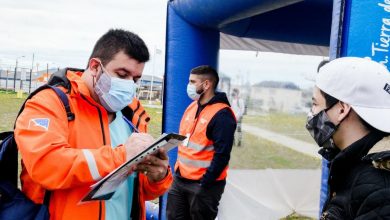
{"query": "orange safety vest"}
[(140, 118), (67, 157), (197, 151)]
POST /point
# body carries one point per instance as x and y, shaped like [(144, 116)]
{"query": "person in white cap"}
[(350, 121)]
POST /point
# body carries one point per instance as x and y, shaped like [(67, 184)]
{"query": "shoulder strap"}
[(69, 114), (5, 134), (64, 99)]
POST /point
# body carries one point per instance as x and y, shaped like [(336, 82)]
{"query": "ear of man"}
[(343, 110), (94, 67)]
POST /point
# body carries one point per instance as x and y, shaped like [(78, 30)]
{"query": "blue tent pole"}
[(187, 46)]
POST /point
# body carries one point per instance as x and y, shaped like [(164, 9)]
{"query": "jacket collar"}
[(219, 97), (379, 154), (77, 84), (70, 78), (353, 154)]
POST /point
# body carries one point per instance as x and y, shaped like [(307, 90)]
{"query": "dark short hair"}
[(329, 100), (208, 72), (117, 40), (321, 64)]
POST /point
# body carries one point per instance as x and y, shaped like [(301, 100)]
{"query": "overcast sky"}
[(62, 33)]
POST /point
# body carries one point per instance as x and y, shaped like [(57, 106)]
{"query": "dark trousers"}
[(188, 200)]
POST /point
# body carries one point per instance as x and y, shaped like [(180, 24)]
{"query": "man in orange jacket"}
[(65, 157), (202, 160)]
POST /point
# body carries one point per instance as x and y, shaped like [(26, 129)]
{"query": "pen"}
[(131, 124)]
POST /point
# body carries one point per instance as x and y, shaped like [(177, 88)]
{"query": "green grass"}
[(9, 108), (258, 153), (285, 124), (155, 123)]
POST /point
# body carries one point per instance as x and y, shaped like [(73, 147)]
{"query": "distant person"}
[(202, 161), (64, 158), (350, 121), (238, 106)]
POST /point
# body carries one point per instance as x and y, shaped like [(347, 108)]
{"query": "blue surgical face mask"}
[(192, 93), (114, 93)]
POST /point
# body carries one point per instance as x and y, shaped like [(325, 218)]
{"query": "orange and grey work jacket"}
[(139, 117), (197, 151), (67, 157)]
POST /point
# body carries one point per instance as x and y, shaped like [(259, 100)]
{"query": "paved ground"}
[(294, 144)]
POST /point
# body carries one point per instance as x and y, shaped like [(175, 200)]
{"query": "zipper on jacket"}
[(100, 210), (100, 117), (104, 140)]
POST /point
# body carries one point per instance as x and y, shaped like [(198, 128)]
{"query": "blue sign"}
[(367, 30)]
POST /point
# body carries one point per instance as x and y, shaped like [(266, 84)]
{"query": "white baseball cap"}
[(362, 83)]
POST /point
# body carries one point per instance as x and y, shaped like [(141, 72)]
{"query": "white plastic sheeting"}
[(230, 42), (270, 194)]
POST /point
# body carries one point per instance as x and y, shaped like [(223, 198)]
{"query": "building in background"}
[(150, 88), (22, 79), (272, 96)]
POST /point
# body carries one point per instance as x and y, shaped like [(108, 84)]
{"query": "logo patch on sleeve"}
[(39, 123)]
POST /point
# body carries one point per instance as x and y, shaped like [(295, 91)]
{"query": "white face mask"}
[(114, 93), (192, 93)]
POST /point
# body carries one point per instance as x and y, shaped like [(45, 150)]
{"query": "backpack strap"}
[(64, 99), (5, 134), (69, 114)]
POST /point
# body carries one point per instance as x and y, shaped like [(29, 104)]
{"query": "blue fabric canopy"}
[(293, 21)]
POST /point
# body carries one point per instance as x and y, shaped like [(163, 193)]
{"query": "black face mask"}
[(321, 129)]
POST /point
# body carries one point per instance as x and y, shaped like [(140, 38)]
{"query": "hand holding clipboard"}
[(105, 188)]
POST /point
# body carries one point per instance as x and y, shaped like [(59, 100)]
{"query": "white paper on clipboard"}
[(106, 187)]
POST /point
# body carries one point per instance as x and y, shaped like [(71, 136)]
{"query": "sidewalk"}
[(294, 144)]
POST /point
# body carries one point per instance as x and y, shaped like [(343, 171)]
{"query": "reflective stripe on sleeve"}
[(199, 147), (194, 163), (92, 164)]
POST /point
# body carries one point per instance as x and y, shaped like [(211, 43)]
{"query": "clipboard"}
[(105, 188)]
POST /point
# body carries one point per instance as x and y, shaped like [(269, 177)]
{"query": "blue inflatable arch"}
[(198, 29)]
